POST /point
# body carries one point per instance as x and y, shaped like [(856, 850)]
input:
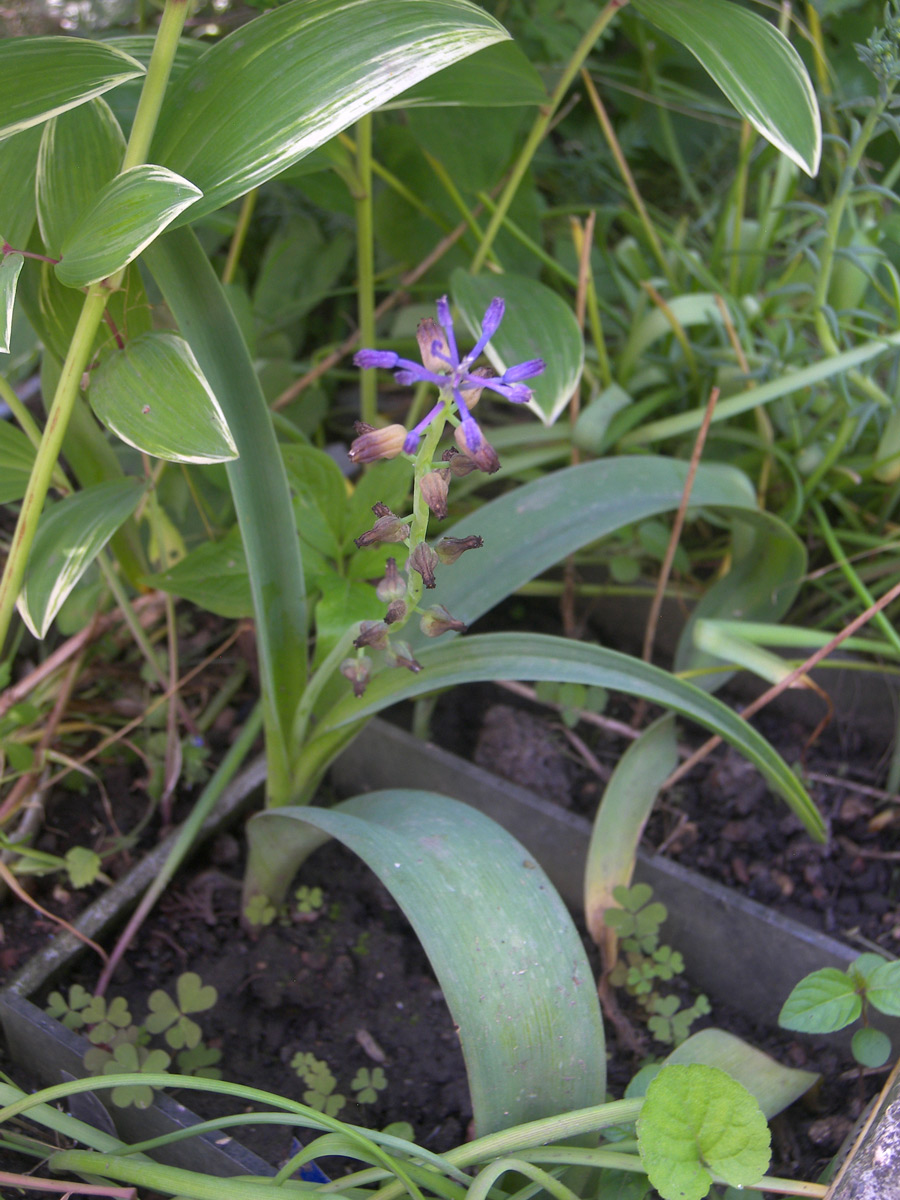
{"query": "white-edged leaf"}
[(69, 537), (43, 76), (126, 216), (537, 324), (500, 76), (755, 66), (16, 461), (153, 394), (9, 278), (18, 162), (287, 82)]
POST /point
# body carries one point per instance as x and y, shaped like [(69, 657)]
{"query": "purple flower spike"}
[(455, 376)]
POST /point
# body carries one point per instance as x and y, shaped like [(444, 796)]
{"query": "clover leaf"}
[(367, 1084), (697, 1121)]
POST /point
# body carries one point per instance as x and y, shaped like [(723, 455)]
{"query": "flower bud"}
[(372, 633), (396, 611), (471, 441), (460, 464), (435, 486), (357, 670), (423, 559), (373, 444), (448, 549), (436, 620), (400, 655), (386, 529), (393, 586), (472, 395), (433, 346)]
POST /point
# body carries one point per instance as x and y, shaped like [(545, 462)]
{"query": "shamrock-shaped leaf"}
[(193, 995), (696, 1121), (822, 1002), (70, 1012), (199, 1061), (367, 1084), (132, 1058)]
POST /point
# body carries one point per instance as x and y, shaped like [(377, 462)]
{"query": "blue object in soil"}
[(310, 1172)]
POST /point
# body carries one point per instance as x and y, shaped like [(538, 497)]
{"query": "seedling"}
[(309, 900), (367, 1084), (317, 1075), (637, 924), (831, 999)]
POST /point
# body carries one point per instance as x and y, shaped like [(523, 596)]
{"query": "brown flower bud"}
[(373, 443), (400, 655), (427, 333), (460, 464), (393, 586), (435, 486), (448, 549), (485, 457), (372, 633), (423, 559), (472, 395), (357, 670), (381, 510), (436, 620), (396, 611), (386, 529)]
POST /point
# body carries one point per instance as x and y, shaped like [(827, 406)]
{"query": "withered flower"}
[(393, 586), (436, 620), (388, 528), (357, 670), (448, 549), (435, 486), (373, 443), (423, 559), (400, 655), (459, 464), (396, 611), (472, 442), (372, 633)]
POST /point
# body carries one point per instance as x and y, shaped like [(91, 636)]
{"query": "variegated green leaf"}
[(126, 216), (755, 66), (18, 161), (43, 76), (284, 84), (153, 394), (9, 278), (499, 76), (537, 324), (16, 461), (81, 152), (70, 536)]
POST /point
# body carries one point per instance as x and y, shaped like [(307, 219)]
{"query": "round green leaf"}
[(755, 66), (871, 1047), (286, 83), (824, 1001), (883, 990), (43, 76), (153, 394), (537, 324), (125, 217), (69, 537), (697, 1122)]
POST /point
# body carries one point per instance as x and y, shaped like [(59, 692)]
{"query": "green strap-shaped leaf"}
[(125, 217), (498, 77), (153, 394), (9, 278), (286, 83), (43, 76), (18, 161), (81, 152), (537, 324), (69, 538), (755, 66), (533, 656), (16, 461), (504, 948), (696, 1121)]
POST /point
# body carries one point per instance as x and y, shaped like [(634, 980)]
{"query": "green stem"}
[(239, 237), (155, 82), (540, 127), (739, 193), (365, 265)]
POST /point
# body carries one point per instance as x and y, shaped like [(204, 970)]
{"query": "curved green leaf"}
[(822, 1002), (153, 394), (16, 461), (696, 1120), (755, 66), (537, 324), (69, 537), (214, 576), (532, 656), (500, 76), (10, 267), (18, 163), (504, 948), (285, 83), (81, 152), (43, 76), (125, 217)]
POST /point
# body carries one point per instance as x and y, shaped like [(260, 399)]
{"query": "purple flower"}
[(442, 366)]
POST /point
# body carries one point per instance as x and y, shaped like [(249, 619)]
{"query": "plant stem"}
[(239, 237), (365, 264), (540, 127)]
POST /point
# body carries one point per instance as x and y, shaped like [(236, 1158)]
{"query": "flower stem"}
[(540, 127), (365, 264)]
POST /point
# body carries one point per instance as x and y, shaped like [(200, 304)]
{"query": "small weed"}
[(361, 946), (316, 1074), (309, 899)]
